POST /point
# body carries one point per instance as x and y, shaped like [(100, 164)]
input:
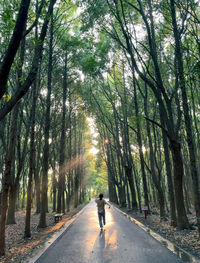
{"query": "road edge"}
[(55, 237), (178, 251)]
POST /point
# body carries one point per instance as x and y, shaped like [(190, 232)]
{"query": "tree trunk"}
[(37, 177), (154, 175), (111, 179), (54, 186), (4, 207), (126, 144), (23, 193), (182, 221), (13, 186), (188, 126), (62, 169), (13, 45), (44, 201), (128, 195), (6, 180), (139, 140), (27, 232), (169, 178), (76, 181), (12, 203), (119, 160), (137, 187)]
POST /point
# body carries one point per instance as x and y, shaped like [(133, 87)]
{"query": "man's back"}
[(100, 204)]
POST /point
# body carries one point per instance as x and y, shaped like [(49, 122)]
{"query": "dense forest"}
[(130, 69)]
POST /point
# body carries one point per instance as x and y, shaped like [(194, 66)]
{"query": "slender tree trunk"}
[(37, 191), (13, 45), (139, 140), (128, 162), (155, 178), (14, 184), (37, 178), (195, 115), (4, 207), (62, 169), (128, 195), (111, 181), (188, 126), (137, 186), (12, 203), (44, 201), (169, 178), (27, 232), (182, 221), (69, 178), (54, 183), (6, 179), (14, 181), (122, 193), (76, 181), (23, 193)]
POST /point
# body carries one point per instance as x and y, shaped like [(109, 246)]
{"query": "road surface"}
[(121, 242)]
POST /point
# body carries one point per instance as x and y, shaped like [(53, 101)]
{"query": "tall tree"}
[(62, 161), (44, 199)]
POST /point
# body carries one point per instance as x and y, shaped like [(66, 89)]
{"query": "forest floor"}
[(186, 239), (19, 249)]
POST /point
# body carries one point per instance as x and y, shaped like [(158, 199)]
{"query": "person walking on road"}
[(101, 210)]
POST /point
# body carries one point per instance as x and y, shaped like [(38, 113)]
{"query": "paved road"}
[(121, 242)]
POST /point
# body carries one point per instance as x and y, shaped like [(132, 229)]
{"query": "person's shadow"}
[(101, 245), (102, 240), (101, 253), (97, 254), (103, 248)]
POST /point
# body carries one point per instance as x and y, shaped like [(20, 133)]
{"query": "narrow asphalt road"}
[(121, 242)]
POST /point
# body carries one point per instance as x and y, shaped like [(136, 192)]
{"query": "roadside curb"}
[(55, 237), (180, 252)]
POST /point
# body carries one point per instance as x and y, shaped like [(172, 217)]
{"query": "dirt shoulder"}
[(18, 249)]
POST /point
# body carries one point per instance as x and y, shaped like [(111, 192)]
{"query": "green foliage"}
[(196, 68), (6, 97), (89, 65), (8, 9), (98, 181)]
